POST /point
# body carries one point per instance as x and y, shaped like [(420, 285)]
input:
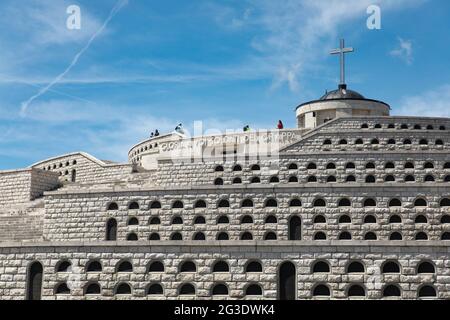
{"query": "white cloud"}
[(299, 33), (432, 103), (404, 51)]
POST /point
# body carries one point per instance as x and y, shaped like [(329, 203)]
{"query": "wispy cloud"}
[(404, 51), (119, 5), (296, 31), (431, 103)]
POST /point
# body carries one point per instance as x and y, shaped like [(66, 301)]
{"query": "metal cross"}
[(342, 51)]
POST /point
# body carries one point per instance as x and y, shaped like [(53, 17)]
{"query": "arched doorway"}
[(34, 283), (287, 281), (295, 228), (111, 230)]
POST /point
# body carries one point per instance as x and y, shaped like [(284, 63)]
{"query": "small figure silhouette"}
[(280, 125)]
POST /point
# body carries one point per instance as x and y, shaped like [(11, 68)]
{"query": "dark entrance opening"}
[(34, 286), (111, 230), (287, 281), (295, 228)]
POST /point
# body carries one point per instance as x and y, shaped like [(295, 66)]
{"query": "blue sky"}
[(227, 63)]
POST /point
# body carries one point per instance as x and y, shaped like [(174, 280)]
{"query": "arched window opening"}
[(391, 291), (246, 219), (200, 204), (253, 266), (34, 281), (312, 179), (320, 267), (350, 178), (156, 266), (395, 236), (320, 236), (321, 290), (223, 220), (178, 205), (292, 166), (199, 236), (92, 289), (218, 182), (420, 203), (421, 219), (356, 291), (237, 168), (271, 219), (370, 219), (390, 267), (395, 203), (350, 165), (345, 219), (355, 267), (133, 221), (64, 266), (221, 266), (253, 290), (445, 219), (370, 179), (369, 203), (427, 291), (224, 203), (154, 237), (275, 179), (319, 203), (113, 206), (124, 266), (62, 288), (246, 236), (255, 167), (177, 220), (156, 205), (176, 236), (133, 205), (155, 289), (94, 266), (270, 236), (331, 179), (155, 220), (426, 267), (219, 290), (331, 166), (200, 220), (111, 230), (344, 202), (359, 141), (237, 180), (247, 203), (313, 166), (370, 236), (188, 266), (410, 178), (219, 169), (271, 203), (123, 288), (445, 202), (421, 236), (295, 228), (287, 288), (255, 180), (389, 165), (320, 219), (132, 237), (293, 179), (345, 235)]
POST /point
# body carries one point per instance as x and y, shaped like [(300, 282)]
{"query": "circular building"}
[(338, 103)]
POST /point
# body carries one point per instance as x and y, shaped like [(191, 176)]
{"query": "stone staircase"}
[(22, 223)]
